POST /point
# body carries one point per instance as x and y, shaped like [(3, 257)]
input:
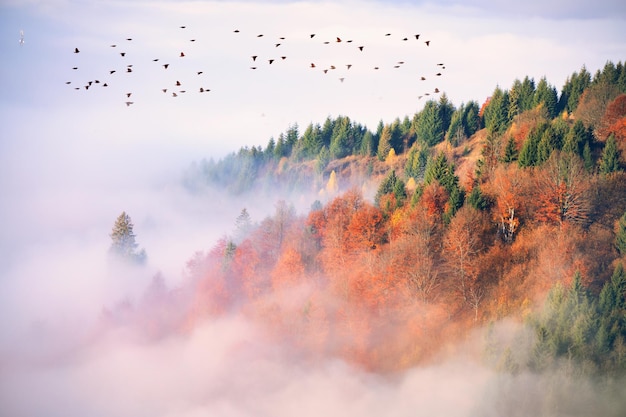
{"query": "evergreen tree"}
[(456, 131), (510, 151), (471, 119), (384, 143), (123, 243), (430, 129), (527, 94), (587, 157), (391, 184), (620, 235), (323, 158), (546, 145), (610, 157), (496, 113), (243, 225), (547, 96)]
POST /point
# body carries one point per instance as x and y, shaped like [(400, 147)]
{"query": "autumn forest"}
[(428, 232)]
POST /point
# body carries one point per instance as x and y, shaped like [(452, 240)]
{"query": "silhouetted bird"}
[(312, 34), (128, 94), (417, 36), (155, 59), (74, 68), (112, 72), (387, 34), (164, 90), (236, 30), (183, 27), (128, 103), (254, 57), (129, 39), (129, 70), (338, 39), (360, 48), (182, 54), (166, 65), (438, 74), (123, 53), (177, 83), (436, 90), (427, 43), (174, 95), (200, 72), (349, 66), (423, 78), (277, 45), (270, 61), (76, 50), (113, 46), (312, 65)]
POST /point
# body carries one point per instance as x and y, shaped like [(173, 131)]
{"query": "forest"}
[(428, 230)]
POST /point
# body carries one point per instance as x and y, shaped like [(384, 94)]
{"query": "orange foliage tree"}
[(562, 190), (463, 243)]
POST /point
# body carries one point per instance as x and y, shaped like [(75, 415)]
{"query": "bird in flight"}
[(128, 103), (76, 50), (182, 54), (21, 37), (166, 65)]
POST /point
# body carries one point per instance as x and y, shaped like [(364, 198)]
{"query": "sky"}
[(72, 160)]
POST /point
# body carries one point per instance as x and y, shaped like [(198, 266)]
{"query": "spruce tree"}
[(610, 157), (123, 243), (620, 235)]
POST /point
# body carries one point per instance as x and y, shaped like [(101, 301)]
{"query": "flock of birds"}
[(176, 88)]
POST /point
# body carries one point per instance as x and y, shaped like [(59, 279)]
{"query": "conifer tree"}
[(510, 151), (123, 243), (610, 157), (620, 235)]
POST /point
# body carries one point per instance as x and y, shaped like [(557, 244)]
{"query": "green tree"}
[(384, 143), (123, 243), (430, 127), (620, 235), (391, 184), (610, 157), (471, 119), (510, 151), (496, 113), (547, 96)]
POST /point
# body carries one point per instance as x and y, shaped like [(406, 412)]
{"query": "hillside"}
[(426, 233)]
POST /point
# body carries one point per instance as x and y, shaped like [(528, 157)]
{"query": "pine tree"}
[(123, 243), (610, 157), (510, 151), (430, 128), (620, 235)]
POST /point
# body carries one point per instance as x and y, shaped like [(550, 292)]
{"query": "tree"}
[(243, 225), (610, 157), (384, 143), (563, 190), (124, 245), (510, 151), (462, 245), (430, 126), (620, 235)]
